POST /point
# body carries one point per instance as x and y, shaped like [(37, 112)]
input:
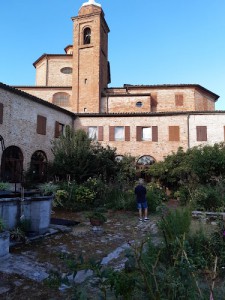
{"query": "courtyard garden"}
[(175, 255)]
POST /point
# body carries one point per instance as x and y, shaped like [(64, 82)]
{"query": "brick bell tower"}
[(90, 58)]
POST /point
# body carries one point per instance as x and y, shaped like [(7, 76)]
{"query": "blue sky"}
[(150, 41)]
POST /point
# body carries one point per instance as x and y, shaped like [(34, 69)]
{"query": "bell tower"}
[(90, 58)]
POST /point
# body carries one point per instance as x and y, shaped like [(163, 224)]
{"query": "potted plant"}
[(4, 240), (97, 218)]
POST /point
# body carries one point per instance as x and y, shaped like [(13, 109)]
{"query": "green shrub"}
[(207, 198), (175, 224), (48, 189), (75, 197), (120, 200), (4, 186), (60, 198), (155, 196)]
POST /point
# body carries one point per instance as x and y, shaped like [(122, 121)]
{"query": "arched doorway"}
[(12, 164), (38, 166), (143, 164)]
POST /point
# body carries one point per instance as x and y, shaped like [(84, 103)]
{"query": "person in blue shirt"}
[(142, 205)]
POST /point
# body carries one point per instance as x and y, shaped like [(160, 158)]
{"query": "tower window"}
[(66, 70), (61, 99), (87, 36)]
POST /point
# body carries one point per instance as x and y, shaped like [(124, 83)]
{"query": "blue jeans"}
[(142, 205)]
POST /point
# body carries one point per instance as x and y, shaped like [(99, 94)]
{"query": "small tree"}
[(78, 156)]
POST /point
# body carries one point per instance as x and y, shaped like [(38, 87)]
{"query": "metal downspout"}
[(188, 130)]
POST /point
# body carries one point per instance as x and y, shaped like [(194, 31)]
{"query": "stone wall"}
[(19, 126)]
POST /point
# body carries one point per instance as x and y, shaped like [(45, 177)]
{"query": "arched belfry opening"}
[(87, 36)]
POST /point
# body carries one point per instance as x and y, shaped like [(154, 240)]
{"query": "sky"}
[(150, 41)]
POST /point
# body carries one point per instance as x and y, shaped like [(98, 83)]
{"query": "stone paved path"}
[(26, 268)]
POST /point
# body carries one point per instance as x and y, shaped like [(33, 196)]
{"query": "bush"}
[(207, 198), (175, 223), (120, 200), (4, 186), (155, 196)]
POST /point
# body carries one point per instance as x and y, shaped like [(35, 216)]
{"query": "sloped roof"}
[(160, 86), (33, 98)]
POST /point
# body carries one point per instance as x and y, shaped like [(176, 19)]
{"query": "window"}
[(87, 36), (174, 133), (61, 99), (179, 100), (1, 113), (119, 158), (139, 104), (146, 160), (66, 70), (201, 133), (59, 129), (41, 125), (224, 132), (147, 133), (119, 133), (93, 133)]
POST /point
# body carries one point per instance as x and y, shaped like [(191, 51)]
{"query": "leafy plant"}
[(97, 215), (17, 235), (75, 154), (48, 188), (175, 224), (155, 196), (4, 186), (60, 198)]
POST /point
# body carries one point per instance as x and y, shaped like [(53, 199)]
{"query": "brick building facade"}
[(146, 121)]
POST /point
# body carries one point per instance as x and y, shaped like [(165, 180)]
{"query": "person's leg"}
[(146, 211), (140, 211)]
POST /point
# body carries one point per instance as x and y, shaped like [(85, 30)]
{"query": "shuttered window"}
[(147, 133), (59, 129), (100, 133), (201, 133), (119, 133), (174, 133), (139, 133), (127, 133), (179, 100), (1, 113), (155, 133), (41, 125), (111, 133)]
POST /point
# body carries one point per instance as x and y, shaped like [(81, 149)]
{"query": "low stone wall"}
[(35, 209)]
